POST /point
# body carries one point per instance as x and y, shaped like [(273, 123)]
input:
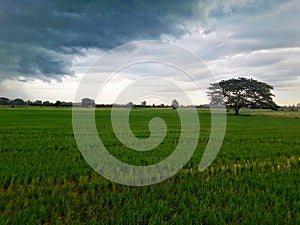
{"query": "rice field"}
[(45, 180)]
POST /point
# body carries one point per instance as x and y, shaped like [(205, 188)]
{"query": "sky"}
[(47, 47)]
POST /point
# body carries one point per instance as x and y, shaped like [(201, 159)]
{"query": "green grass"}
[(271, 113), (45, 180)]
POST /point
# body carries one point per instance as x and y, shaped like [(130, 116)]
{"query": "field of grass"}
[(286, 114), (45, 180)]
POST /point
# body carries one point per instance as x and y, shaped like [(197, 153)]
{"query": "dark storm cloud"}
[(40, 38)]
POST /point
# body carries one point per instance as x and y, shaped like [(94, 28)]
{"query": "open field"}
[(44, 179), (270, 113)]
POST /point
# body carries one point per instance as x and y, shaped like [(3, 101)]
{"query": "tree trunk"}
[(236, 111)]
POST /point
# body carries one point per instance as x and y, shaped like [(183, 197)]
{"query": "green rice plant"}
[(45, 180)]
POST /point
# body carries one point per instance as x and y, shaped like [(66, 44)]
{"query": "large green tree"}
[(242, 92)]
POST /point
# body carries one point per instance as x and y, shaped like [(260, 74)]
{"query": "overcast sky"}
[(46, 46)]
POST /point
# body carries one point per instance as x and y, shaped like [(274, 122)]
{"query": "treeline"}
[(290, 108), (20, 102), (86, 103)]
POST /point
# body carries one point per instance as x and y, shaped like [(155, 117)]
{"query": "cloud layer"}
[(42, 40), (39, 38)]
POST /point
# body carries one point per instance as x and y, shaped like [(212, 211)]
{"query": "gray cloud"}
[(279, 67), (38, 39), (276, 27), (252, 25)]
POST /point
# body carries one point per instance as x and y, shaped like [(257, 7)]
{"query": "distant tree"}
[(36, 103), (18, 102), (57, 103), (144, 103), (67, 104), (175, 104), (47, 103), (129, 105), (4, 101), (242, 92)]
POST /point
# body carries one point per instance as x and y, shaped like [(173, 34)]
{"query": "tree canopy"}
[(175, 104), (242, 92)]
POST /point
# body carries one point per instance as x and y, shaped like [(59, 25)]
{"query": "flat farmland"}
[(45, 180)]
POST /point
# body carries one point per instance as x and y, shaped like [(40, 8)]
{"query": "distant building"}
[(298, 105), (87, 103)]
